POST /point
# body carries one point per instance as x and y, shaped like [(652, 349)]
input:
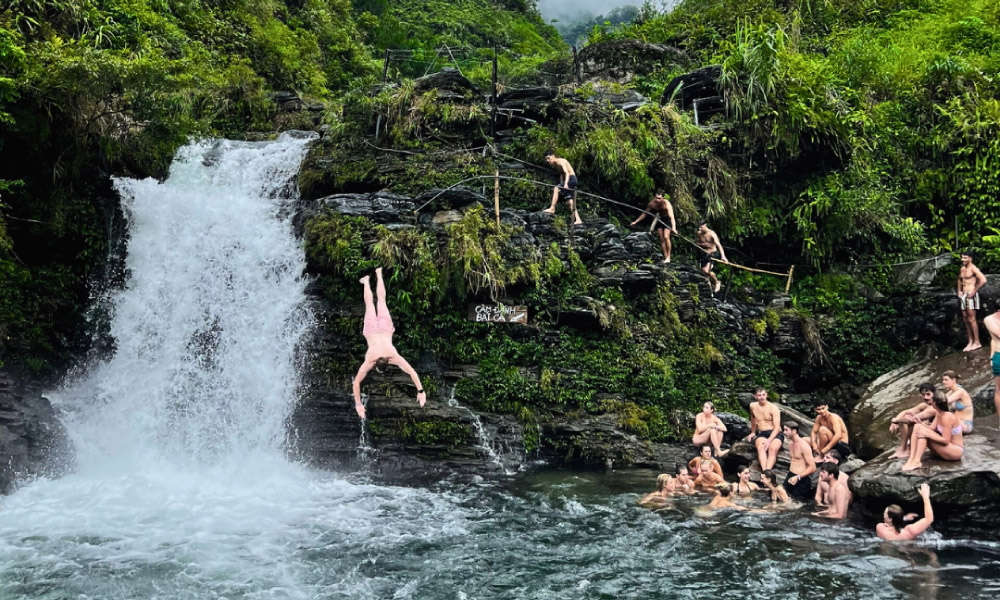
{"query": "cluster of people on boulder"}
[(932, 425)]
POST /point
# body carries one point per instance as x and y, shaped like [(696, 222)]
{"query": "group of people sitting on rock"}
[(937, 424), (823, 450), (659, 208)]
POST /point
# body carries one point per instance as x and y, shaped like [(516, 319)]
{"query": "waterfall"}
[(210, 315), (505, 460)]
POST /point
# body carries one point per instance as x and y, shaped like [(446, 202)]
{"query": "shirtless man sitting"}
[(802, 463), (828, 432), (567, 185), (709, 242), (765, 429), (904, 421), (970, 280), (837, 496), (992, 323), (708, 470)]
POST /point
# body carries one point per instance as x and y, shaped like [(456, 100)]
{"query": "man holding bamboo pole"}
[(709, 242)]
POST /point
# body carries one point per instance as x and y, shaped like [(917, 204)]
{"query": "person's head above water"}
[(760, 394), (893, 517), (832, 456), (724, 489), (767, 477), (743, 472), (662, 481), (829, 471)]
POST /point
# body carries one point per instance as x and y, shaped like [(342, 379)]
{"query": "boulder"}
[(448, 79), (622, 60), (699, 84), (379, 207), (527, 103), (32, 439), (896, 391), (965, 494), (598, 441), (922, 274), (451, 198), (622, 99)]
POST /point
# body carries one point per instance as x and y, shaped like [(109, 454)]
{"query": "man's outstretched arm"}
[(362, 373), (400, 362)]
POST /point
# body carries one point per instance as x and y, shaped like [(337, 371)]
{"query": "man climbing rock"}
[(567, 185), (709, 242), (664, 224)]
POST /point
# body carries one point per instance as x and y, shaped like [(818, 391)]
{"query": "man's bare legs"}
[(716, 284), (369, 299), (996, 394), (383, 309), (572, 205), (767, 453), (823, 437), (665, 244), (971, 330), (905, 431)]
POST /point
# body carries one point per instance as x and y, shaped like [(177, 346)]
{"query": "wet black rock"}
[(965, 494), (32, 440), (621, 61), (448, 80), (451, 198)]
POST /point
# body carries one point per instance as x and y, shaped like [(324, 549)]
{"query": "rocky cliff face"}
[(32, 440), (460, 432)]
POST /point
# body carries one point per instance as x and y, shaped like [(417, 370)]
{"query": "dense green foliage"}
[(857, 128)]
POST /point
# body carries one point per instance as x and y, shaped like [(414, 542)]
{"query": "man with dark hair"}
[(663, 221), (904, 421), (992, 324), (802, 463), (832, 483), (709, 242), (765, 429), (566, 187), (829, 431), (970, 280)]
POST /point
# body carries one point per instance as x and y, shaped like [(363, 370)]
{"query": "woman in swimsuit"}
[(943, 437), (959, 400), (724, 498), (743, 485), (779, 495), (707, 469), (378, 330), (708, 428), (665, 486)]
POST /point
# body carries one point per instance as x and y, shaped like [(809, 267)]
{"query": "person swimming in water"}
[(665, 486), (724, 498), (943, 437), (893, 526), (682, 475), (778, 493), (959, 400), (743, 485), (837, 497), (707, 469), (378, 330)]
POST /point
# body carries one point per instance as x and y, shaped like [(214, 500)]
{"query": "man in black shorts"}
[(567, 185), (802, 462), (663, 221), (709, 242)]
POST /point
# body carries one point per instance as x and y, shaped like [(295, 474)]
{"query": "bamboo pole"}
[(788, 284), (496, 194), (731, 264)]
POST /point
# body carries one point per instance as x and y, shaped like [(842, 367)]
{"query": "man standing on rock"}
[(663, 213), (904, 421), (992, 323), (829, 431), (802, 463), (765, 429), (709, 242), (567, 185), (832, 492), (970, 280)]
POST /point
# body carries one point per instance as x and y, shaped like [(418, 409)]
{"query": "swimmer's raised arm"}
[(915, 529)]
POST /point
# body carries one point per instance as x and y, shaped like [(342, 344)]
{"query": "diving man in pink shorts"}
[(378, 331)]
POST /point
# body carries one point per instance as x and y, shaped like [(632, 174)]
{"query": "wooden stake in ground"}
[(496, 195)]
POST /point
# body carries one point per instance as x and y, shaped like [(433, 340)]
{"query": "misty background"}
[(575, 18)]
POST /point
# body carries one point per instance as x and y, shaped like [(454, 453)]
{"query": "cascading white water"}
[(208, 322)]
